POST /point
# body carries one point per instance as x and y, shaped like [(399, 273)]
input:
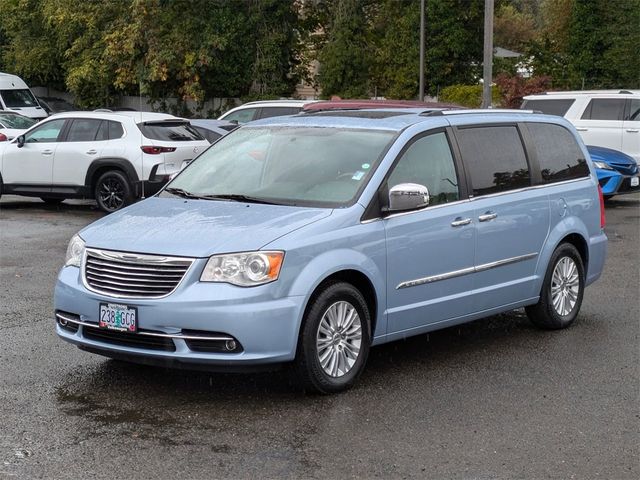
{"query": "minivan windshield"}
[(18, 98), (308, 166)]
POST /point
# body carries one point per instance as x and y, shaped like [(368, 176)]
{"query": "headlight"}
[(245, 269), (602, 166), (75, 251)]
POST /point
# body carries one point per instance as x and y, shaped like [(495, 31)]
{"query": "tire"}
[(565, 275), (327, 362), (52, 201), (112, 191)]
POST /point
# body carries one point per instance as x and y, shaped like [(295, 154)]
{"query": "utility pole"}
[(488, 54), (421, 89)]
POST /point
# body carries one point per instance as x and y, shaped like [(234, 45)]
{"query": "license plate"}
[(114, 316), (635, 181)]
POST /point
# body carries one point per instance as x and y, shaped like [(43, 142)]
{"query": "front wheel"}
[(112, 191), (334, 339), (562, 290)]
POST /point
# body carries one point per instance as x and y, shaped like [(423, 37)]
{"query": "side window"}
[(210, 135), (115, 130), (83, 130), (604, 109), (428, 161), (558, 153), (45, 133), (633, 114), (494, 158), (558, 106), (103, 131), (241, 116), (267, 112)]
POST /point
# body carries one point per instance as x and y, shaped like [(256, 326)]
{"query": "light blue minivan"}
[(310, 238)]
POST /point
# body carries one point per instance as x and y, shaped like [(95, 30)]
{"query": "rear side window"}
[(604, 109), (495, 158), (210, 135), (559, 156), (267, 112), (633, 114), (110, 130), (558, 106), (241, 116), (83, 130), (170, 131)]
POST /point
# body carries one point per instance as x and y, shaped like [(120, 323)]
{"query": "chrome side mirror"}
[(408, 196)]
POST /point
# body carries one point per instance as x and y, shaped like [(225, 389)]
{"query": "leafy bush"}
[(514, 88), (467, 95)]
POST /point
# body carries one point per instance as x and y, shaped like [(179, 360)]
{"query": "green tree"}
[(346, 57)]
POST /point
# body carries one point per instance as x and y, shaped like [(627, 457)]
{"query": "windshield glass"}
[(18, 98), (308, 166), (16, 121)]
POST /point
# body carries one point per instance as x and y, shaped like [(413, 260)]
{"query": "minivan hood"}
[(196, 228)]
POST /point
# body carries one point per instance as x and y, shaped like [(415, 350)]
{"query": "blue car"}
[(617, 172), (309, 239)]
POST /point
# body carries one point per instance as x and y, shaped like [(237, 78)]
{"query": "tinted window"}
[(558, 153), (115, 130), (45, 133), (241, 116), (495, 158), (266, 112), (604, 109), (18, 98), (170, 131), (210, 135), (558, 106), (634, 110), (428, 161), (83, 130)]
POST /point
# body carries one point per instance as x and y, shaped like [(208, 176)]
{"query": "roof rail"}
[(589, 92), (477, 111)]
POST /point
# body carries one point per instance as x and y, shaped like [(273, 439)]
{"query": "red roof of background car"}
[(355, 104)]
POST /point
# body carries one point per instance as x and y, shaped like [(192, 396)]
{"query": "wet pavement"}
[(493, 399)]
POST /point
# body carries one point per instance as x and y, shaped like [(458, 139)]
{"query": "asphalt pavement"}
[(496, 398)]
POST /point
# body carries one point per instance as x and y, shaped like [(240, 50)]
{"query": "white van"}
[(16, 95)]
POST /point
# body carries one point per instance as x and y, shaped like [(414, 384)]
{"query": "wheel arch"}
[(101, 165)]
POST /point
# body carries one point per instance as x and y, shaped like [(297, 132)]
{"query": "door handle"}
[(47, 152), (633, 130), (582, 129), (459, 222), (487, 216), (92, 152)]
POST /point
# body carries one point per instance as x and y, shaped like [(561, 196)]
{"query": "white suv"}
[(605, 118), (112, 157), (264, 109)]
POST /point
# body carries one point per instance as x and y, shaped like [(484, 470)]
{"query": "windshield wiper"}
[(181, 193), (241, 198)]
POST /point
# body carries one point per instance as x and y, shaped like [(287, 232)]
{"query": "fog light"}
[(62, 322), (230, 345)]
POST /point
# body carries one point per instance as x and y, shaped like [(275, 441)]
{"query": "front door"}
[(631, 130), (429, 252), (32, 165), (601, 122)]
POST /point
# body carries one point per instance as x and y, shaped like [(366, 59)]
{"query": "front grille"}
[(126, 339), (625, 168), (120, 274)]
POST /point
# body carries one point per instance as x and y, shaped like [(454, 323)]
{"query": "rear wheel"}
[(112, 191), (562, 290), (52, 200), (334, 339)]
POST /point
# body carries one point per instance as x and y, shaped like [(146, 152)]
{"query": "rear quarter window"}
[(558, 106), (557, 151), (604, 109), (494, 158), (170, 131)]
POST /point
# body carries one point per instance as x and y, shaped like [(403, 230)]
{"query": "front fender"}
[(328, 263)]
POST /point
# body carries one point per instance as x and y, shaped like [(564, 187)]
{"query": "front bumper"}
[(615, 183), (265, 327)]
